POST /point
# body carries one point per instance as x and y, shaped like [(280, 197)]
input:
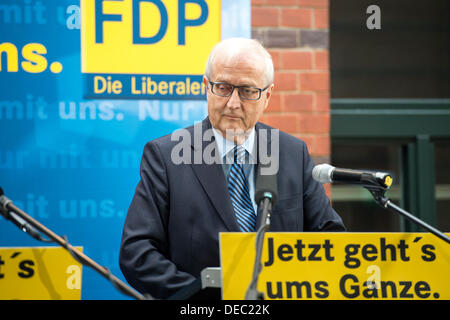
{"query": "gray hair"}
[(239, 45)]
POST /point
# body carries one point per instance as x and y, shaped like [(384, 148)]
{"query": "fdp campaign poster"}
[(84, 85)]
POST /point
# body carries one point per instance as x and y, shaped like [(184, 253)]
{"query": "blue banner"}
[(70, 162)]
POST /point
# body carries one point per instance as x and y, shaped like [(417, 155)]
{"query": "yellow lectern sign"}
[(340, 266), (40, 273)]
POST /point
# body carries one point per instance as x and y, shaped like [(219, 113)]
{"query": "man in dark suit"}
[(181, 204)]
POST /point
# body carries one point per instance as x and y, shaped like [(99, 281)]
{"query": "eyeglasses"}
[(224, 89)]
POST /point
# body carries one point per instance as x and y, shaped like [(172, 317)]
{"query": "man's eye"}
[(249, 91), (223, 87)]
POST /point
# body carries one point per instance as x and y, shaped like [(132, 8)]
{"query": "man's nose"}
[(235, 101)]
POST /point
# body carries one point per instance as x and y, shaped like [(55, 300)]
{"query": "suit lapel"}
[(212, 178)]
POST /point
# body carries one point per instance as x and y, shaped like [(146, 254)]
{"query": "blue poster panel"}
[(70, 142)]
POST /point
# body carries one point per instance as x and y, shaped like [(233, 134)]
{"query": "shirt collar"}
[(224, 146)]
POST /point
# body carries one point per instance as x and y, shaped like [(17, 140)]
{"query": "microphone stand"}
[(378, 191), (252, 292), (6, 205)]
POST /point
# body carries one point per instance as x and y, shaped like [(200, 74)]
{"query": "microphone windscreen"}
[(266, 183), (322, 173)]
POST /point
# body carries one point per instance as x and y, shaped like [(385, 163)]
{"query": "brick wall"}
[(296, 34)]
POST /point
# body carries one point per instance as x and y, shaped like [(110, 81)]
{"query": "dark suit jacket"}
[(172, 228)]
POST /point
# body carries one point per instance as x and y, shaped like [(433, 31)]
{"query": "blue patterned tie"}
[(239, 192)]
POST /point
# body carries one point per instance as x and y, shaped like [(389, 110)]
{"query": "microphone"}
[(11, 212), (324, 173), (266, 188), (23, 225), (266, 195)]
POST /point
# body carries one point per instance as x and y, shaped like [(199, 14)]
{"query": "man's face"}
[(231, 114)]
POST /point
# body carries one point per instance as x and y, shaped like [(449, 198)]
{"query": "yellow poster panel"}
[(148, 37), (39, 273), (338, 266)]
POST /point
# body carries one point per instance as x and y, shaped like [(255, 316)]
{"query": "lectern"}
[(207, 287), (328, 266)]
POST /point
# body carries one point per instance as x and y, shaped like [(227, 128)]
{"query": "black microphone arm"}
[(386, 203), (11, 212), (377, 186), (266, 194)]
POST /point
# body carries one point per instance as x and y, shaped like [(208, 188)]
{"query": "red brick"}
[(313, 3), (298, 102), (258, 2), (265, 17), (322, 60), (315, 123), (295, 31), (299, 18), (322, 145), (322, 102), (314, 81), (285, 122), (285, 81), (276, 57), (300, 60), (321, 19), (281, 2), (275, 104)]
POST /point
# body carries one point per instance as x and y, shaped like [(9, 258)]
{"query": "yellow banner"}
[(148, 36), (39, 273), (339, 266)]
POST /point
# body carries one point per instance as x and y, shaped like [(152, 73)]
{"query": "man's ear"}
[(268, 93)]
